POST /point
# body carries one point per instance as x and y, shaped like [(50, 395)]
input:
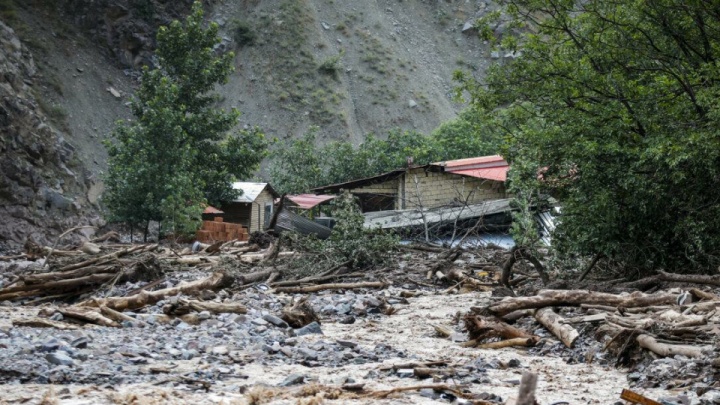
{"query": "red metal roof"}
[(308, 201), (484, 167), (212, 210)]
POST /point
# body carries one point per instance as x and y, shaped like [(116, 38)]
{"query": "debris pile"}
[(152, 310)]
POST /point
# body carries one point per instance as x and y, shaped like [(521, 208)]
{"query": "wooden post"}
[(528, 383)]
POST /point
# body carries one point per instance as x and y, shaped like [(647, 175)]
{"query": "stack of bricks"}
[(217, 230)]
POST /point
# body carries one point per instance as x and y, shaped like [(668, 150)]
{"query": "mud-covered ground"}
[(225, 358)]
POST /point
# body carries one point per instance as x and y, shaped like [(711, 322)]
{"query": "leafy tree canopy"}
[(302, 164), (178, 152), (613, 108)]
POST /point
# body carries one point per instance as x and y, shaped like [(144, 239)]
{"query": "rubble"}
[(206, 321)]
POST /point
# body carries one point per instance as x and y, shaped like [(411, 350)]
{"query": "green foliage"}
[(352, 242), (242, 33), (331, 66), (303, 165), (616, 104), (296, 168), (178, 152)]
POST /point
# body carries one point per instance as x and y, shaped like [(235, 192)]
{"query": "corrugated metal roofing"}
[(250, 191), (308, 201), (212, 210), (484, 167)]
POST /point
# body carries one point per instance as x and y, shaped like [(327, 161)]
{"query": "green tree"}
[(613, 105), (179, 152), (297, 167)]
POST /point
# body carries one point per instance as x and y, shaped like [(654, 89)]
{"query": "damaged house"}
[(435, 193)]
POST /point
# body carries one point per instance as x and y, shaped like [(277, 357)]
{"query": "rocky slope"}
[(43, 186), (349, 68)]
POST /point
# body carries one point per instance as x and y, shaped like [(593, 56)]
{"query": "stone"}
[(513, 363), (59, 358), (293, 379), (188, 354), (346, 343), (308, 354), (50, 345), (259, 322), (347, 320), (309, 329), (405, 373), (412, 103), (275, 321), (220, 350), (204, 315), (182, 326), (80, 343), (468, 26), (325, 25)]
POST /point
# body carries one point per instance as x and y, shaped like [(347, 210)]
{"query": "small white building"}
[(253, 208)]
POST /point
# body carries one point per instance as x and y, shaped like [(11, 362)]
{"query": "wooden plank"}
[(636, 398)]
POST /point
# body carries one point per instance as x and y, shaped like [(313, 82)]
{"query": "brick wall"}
[(437, 189)]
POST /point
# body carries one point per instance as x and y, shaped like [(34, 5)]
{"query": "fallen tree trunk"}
[(109, 257), (81, 272), (317, 279), (555, 324), (515, 342), (88, 315), (689, 278), (217, 307), (556, 298), (63, 284), (665, 350), (338, 286), (213, 282)]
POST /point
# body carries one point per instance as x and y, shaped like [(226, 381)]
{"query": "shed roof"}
[(484, 167), (212, 210), (251, 191), (308, 201), (361, 182)]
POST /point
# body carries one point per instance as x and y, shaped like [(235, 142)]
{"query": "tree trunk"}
[(554, 323), (556, 298), (215, 281)]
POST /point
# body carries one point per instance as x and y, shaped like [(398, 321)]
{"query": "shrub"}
[(243, 33)]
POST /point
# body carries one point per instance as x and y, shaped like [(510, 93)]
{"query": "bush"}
[(331, 66), (242, 33)]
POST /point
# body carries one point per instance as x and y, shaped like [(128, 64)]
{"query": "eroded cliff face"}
[(125, 28), (44, 189)]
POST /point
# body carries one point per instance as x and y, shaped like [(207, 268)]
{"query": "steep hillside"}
[(44, 185), (350, 68)]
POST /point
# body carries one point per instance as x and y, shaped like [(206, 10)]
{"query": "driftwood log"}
[(668, 350), (555, 324), (550, 298), (215, 281), (338, 286)]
